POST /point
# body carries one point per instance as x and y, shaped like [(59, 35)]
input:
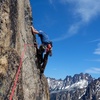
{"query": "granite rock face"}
[(16, 47)]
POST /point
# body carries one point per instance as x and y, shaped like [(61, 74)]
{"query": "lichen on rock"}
[(9, 62), (15, 34)]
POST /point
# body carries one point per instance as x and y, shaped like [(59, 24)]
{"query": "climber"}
[(46, 47)]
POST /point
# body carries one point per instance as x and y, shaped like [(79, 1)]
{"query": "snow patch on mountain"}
[(55, 84), (58, 85), (78, 81), (79, 85)]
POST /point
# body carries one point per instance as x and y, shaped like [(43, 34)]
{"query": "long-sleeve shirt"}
[(44, 37)]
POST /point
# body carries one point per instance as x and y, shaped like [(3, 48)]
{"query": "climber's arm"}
[(34, 31)]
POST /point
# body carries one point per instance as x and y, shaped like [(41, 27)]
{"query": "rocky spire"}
[(16, 44)]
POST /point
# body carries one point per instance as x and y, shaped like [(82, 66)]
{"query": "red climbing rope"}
[(17, 74)]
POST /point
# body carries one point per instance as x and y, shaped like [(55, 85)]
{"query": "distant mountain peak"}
[(69, 82), (78, 87)]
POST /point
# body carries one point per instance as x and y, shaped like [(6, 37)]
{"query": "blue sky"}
[(74, 28)]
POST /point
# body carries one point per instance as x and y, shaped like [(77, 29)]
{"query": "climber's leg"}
[(44, 63), (40, 54)]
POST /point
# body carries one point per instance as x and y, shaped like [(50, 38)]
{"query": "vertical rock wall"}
[(16, 44)]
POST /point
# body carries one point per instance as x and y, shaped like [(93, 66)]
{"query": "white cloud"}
[(94, 40), (97, 50), (72, 31), (74, 28), (58, 39), (61, 38), (93, 71), (85, 11), (97, 60), (51, 1)]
